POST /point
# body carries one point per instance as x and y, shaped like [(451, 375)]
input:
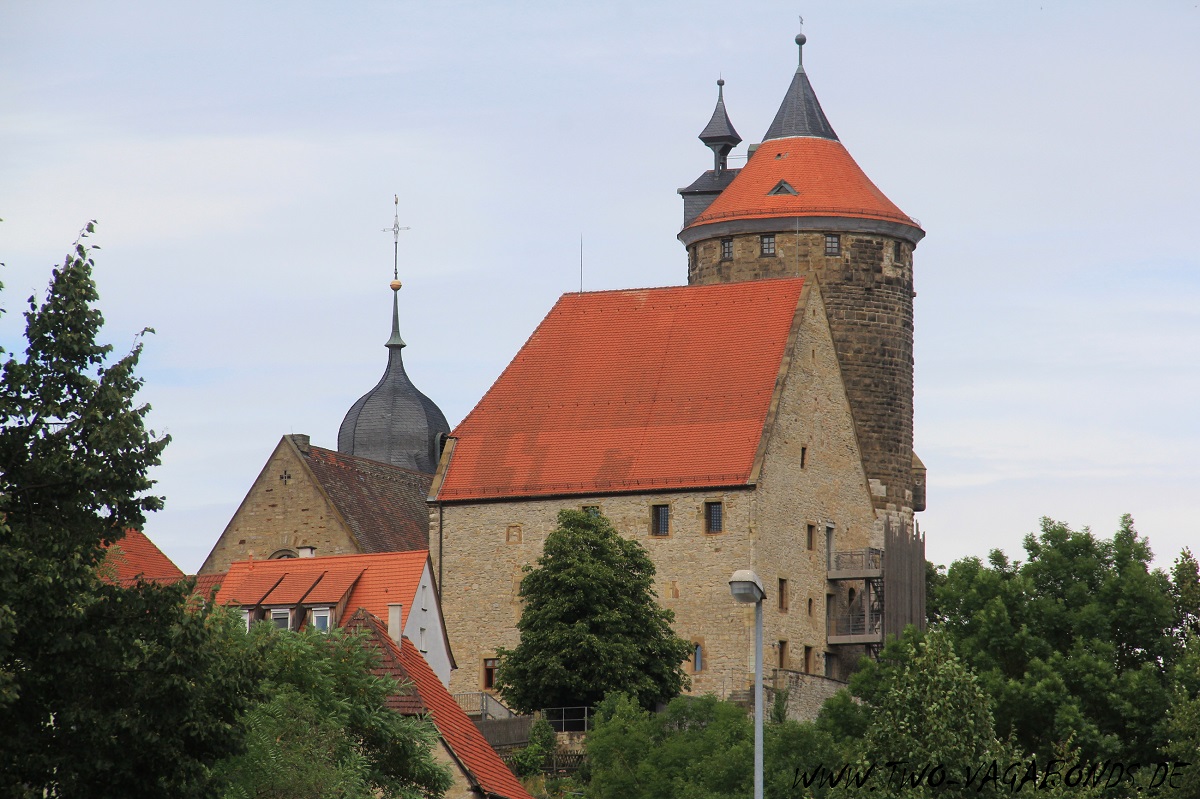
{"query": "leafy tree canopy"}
[(104, 690), (591, 624), (321, 727), (1076, 643)]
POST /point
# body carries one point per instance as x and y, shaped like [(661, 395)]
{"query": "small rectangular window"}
[(767, 243), (660, 520), (490, 665), (714, 517), (281, 618), (320, 619), (247, 618), (810, 606), (424, 596), (897, 254), (783, 654), (803, 456), (808, 660), (422, 645), (833, 244), (783, 595), (697, 657), (829, 547), (812, 533), (726, 249)]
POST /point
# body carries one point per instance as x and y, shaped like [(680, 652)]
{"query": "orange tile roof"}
[(635, 390), (826, 178), (293, 588), (136, 556), (374, 581), (426, 694), (206, 584)]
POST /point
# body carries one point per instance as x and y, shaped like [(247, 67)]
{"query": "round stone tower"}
[(802, 206), (394, 422)]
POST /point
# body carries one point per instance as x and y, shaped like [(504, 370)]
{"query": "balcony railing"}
[(569, 719), (858, 559), (482, 705)]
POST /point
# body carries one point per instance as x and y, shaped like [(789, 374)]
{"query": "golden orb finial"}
[(395, 284)]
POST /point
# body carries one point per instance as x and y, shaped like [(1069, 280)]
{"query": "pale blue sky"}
[(241, 160)]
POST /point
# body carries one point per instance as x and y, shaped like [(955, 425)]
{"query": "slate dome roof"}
[(394, 422)]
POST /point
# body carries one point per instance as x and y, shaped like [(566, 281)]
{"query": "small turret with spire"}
[(719, 136)]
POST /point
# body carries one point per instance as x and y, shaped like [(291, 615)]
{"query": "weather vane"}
[(395, 229)]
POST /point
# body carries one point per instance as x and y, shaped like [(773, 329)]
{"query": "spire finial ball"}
[(395, 284), (720, 81), (801, 39)]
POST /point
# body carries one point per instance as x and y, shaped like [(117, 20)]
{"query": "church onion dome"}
[(394, 422), (801, 178)]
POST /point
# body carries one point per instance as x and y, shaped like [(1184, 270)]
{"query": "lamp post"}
[(746, 587)]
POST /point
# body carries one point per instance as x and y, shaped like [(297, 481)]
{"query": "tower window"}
[(767, 242), (783, 654), (833, 244), (726, 249), (812, 533), (697, 657), (897, 253), (714, 517), (783, 595), (660, 520), (490, 666)]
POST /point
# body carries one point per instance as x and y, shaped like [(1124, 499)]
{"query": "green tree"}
[(931, 711), (322, 727), (1183, 723), (591, 624), (1073, 644), (104, 690), (702, 747)]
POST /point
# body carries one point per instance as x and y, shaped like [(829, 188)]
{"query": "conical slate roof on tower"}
[(394, 422), (800, 176)]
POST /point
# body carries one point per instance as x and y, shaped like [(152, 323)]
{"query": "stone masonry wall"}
[(283, 510), (810, 474), (868, 290)]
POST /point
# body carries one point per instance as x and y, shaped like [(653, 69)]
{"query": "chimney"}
[(307, 552), (301, 442), (395, 616)]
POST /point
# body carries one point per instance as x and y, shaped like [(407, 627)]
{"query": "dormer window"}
[(281, 618), (782, 187), (320, 619)]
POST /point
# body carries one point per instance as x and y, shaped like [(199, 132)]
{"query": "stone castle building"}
[(759, 417)]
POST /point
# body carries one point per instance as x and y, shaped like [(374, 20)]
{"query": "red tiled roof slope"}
[(826, 178), (631, 390), (426, 694), (136, 556), (207, 583), (378, 580), (383, 505)]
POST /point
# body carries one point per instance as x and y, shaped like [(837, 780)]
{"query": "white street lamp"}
[(746, 587)]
